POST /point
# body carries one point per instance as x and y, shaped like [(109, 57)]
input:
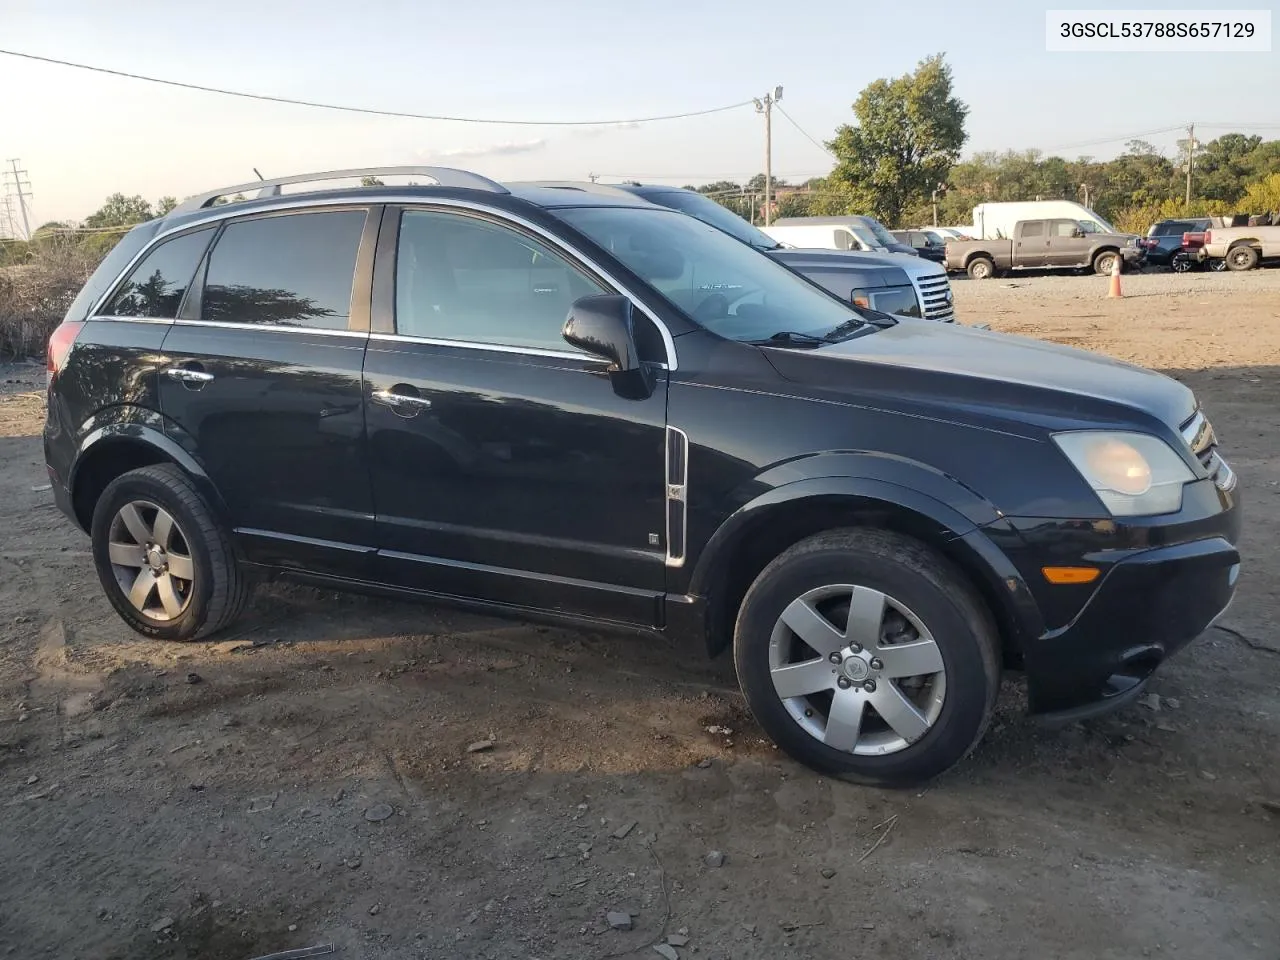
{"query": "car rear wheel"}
[(867, 656), (1104, 263), (980, 268), (163, 558), (1181, 262), (1242, 257)]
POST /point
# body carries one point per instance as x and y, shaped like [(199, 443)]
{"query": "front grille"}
[(935, 294), (1199, 436)]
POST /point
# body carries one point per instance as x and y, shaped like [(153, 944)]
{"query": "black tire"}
[(938, 594), (218, 589), (981, 268), (1104, 262), (1216, 265), (1181, 262), (1243, 257)]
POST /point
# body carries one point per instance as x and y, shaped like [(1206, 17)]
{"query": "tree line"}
[(904, 152)]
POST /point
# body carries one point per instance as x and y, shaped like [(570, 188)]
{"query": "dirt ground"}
[(307, 779)]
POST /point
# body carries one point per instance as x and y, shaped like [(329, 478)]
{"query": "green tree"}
[(1263, 196), (909, 133), (371, 182), (166, 205), (120, 211)]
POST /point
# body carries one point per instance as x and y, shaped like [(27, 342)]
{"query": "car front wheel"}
[(164, 560), (867, 656)]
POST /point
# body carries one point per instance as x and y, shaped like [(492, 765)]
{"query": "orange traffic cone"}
[(1115, 279)]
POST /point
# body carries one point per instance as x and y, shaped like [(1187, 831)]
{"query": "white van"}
[(852, 232), (995, 221)]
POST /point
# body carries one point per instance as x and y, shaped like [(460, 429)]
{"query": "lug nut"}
[(844, 683), (877, 663), (834, 658), (855, 647), (869, 686)]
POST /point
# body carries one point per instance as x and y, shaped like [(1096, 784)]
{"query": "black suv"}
[(556, 404)]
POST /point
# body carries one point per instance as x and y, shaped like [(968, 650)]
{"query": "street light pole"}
[(765, 105)]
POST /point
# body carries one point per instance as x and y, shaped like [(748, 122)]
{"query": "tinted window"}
[(717, 282), (1173, 228), (1065, 228), (292, 271), (461, 278), (155, 286), (1033, 228)]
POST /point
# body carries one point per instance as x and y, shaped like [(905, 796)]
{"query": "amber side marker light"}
[(1062, 575)]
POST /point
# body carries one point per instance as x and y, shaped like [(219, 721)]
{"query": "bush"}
[(35, 295)]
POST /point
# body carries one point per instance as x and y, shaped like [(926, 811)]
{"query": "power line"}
[(372, 111), (1106, 140), (805, 134)]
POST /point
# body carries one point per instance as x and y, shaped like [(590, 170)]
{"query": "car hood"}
[(888, 268), (923, 359)]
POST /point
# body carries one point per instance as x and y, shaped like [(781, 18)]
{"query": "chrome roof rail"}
[(443, 176), (586, 186)]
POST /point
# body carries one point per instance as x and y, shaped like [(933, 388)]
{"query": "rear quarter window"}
[(156, 286)]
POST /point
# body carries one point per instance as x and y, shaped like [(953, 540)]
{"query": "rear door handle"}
[(188, 376), (403, 404)]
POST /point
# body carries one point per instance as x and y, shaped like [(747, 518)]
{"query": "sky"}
[(82, 136)]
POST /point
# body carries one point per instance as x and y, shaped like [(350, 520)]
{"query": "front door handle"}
[(402, 403)]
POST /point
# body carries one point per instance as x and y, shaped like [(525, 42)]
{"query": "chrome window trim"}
[(302, 203), (223, 325), (479, 345)]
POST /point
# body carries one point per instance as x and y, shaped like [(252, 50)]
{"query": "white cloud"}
[(605, 128), (506, 149)]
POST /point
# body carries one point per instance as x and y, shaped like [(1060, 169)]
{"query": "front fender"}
[(874, 478)]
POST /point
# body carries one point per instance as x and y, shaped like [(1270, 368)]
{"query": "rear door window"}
[(1032, 228), (155, 287), (295, 270)]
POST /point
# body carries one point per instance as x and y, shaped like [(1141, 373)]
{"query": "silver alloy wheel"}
[(841, 649), (151, 560)]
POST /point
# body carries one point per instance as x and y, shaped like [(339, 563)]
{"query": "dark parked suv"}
[(556, 404)]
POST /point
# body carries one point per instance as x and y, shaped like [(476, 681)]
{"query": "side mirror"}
[(603, 326)]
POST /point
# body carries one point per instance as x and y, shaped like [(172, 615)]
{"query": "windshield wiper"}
[(790, 338)]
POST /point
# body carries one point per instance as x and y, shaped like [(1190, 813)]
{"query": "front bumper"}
[(1133, 256), (1088, 648), (1146, 609)]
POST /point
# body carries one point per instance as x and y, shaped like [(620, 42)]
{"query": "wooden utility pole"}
[(1191, 159), (765, 105)]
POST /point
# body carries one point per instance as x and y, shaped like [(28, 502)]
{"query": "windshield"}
[(719, 283), (708, 211), (877, 229)]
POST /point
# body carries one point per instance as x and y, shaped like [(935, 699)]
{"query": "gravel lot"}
[(308, 780)]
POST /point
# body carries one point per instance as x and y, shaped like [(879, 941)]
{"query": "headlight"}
[(1134, 474)]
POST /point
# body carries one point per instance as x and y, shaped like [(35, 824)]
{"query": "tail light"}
[(1208, 236), (60, 344)]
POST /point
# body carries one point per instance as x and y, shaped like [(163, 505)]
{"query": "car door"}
[(506, 468), (1031, 245), (1065, 248), (261, 382)]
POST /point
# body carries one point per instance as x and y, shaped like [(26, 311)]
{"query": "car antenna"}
[(260, 176)]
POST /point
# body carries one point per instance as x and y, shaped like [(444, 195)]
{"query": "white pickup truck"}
[(1241, 247)]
